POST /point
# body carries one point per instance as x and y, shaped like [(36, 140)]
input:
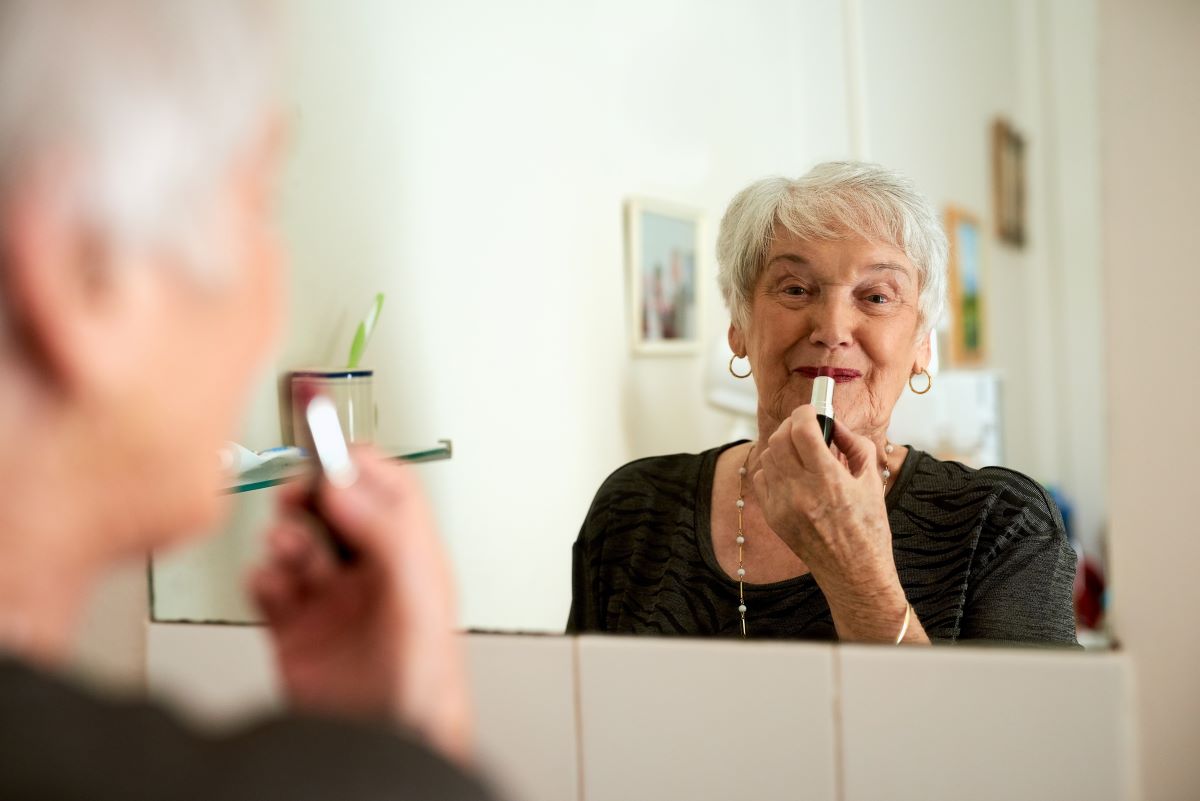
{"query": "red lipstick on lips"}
[(840, 375)]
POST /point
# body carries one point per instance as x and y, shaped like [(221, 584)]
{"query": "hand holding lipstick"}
[(829, 509), (372, 636)]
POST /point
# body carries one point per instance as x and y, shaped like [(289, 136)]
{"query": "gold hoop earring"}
[(738, 375), (928, 382)]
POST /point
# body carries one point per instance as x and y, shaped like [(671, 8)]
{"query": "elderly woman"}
[(139, 294), (839, 273)]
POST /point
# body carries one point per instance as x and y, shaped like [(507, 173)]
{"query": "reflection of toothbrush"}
[(363, 335), (238, 460)]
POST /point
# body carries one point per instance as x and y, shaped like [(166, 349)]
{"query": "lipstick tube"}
[(822, 401)]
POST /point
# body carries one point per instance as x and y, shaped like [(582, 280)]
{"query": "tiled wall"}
[(618, 719), (698, 720)]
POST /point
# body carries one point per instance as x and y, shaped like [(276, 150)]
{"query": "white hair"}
[(833, 199), (142, 106)]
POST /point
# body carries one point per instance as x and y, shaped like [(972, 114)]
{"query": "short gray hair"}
[(832, 199), (146, 103)]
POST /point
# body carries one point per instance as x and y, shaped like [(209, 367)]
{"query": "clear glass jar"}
[(352, 393)]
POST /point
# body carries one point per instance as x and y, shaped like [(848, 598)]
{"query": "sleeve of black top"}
[(585, 589), (582, 615), (587, 605), (1021, 590)]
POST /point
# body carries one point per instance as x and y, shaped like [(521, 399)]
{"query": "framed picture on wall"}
[(663, 245), (1008, 182), (968, 345)]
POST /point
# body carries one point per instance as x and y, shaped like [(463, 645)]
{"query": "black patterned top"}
[(981, 554), (60, 743)]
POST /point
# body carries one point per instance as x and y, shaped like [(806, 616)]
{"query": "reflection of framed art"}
[(662, 250), (967, 337), (1008, 182)]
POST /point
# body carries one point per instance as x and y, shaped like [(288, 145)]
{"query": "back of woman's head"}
[(831, 201), (133, 107)]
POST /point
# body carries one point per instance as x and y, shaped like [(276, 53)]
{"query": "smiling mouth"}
[(840, 375)]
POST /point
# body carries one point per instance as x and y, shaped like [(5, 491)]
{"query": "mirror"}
[(475, 162)]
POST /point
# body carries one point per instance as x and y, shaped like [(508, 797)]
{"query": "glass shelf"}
[(282, 470)]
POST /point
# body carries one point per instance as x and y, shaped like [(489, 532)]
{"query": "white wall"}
[(1070, 55), (1150, 101), (937, 72)]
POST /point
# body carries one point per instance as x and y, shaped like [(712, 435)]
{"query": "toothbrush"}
[(363, 335)]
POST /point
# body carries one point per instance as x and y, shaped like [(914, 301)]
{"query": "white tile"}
[(216, 674), (696, 720), (524, 694), (984, 723), (110, 649)]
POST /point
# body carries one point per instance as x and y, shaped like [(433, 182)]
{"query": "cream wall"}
[(1150, 101), (1069, 54), (937, 72)]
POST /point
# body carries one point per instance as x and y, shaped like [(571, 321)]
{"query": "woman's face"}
[(208, 345), (847, 304)]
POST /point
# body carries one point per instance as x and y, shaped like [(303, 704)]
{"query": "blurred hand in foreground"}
[(373, 636)]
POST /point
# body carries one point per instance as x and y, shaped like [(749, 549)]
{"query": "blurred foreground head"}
[(139, 273)]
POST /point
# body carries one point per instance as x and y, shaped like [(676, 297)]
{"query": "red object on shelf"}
[(1089, 594)]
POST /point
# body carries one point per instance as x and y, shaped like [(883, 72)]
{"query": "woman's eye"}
[(877, 298), (795, 291)]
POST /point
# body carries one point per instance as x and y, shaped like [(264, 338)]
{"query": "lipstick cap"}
[(822, 395)]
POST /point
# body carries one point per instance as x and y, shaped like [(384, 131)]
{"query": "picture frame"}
[(1008, 182), (663, 246), (967, 302)]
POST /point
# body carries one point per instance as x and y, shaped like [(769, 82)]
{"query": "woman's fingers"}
[(289, 543), (779, 444), (796, 439), (296, 545), (761, 488), (296, 566), (275, 593), (808, 441), (386, 518), (860, 452), (369, 513)]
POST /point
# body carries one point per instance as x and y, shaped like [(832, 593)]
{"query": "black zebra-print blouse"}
[(982, 554)]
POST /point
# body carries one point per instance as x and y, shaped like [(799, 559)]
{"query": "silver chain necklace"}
[(884, 471)]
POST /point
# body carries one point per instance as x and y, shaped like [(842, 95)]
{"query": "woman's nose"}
[(832, 323)]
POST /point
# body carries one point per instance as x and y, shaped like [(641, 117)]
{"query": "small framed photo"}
[(1008, 181), (968, 345), (663, 246)]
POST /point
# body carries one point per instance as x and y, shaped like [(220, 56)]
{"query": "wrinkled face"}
[(204, 346), (848, 304)]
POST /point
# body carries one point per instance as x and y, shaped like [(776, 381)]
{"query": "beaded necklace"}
[(884, 471)]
